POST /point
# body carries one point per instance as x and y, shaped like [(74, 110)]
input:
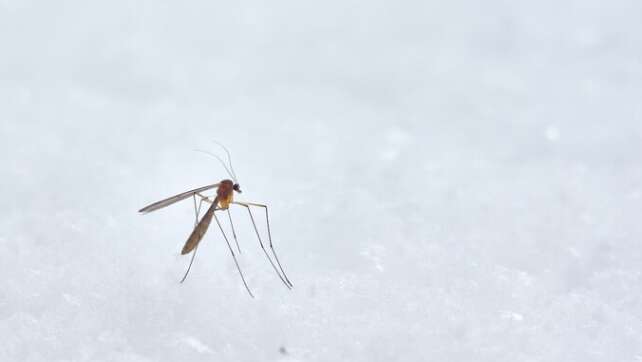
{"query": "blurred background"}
[(448, 181)]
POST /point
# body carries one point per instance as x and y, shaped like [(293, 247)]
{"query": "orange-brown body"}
[(225, 193)]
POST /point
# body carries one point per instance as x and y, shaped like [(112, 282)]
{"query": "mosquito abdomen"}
[(200, 229)]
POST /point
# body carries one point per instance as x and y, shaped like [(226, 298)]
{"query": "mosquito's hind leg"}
[(233, 256), (197, 212), (267, 221), (281, 274)]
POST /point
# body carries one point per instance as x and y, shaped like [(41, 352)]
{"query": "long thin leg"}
[(197, 211), (258, 236), (233, 256), (267, 221), (229, 215), (285, 281)]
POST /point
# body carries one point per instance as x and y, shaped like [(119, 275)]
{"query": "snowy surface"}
[(448, 181)]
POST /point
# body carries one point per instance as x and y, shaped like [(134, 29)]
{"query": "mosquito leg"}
[(204, 198), (233, 256), (197, 211), (258, 236), (267, 220), (229, 215)]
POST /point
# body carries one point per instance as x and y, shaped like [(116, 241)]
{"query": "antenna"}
[(220, 160), (229, 158)]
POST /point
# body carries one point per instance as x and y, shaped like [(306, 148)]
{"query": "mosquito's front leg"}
[(197, 213)]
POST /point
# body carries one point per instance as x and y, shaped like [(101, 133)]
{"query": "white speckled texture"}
[(448, 181)]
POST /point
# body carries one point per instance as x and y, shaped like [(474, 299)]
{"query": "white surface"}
[(447, 181)]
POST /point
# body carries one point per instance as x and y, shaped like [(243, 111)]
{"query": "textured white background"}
[(449, 181)]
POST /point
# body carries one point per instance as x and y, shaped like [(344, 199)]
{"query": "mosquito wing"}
[(176, 198), (200, 229)]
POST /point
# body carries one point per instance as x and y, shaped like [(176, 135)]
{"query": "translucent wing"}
[(200, 229), (176, 198)]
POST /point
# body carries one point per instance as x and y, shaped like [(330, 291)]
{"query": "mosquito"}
[(224, 198)]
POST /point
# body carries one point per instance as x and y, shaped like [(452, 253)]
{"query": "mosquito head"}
[(237, 188)]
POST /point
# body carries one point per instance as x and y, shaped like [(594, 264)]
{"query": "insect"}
[(222, 201)]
